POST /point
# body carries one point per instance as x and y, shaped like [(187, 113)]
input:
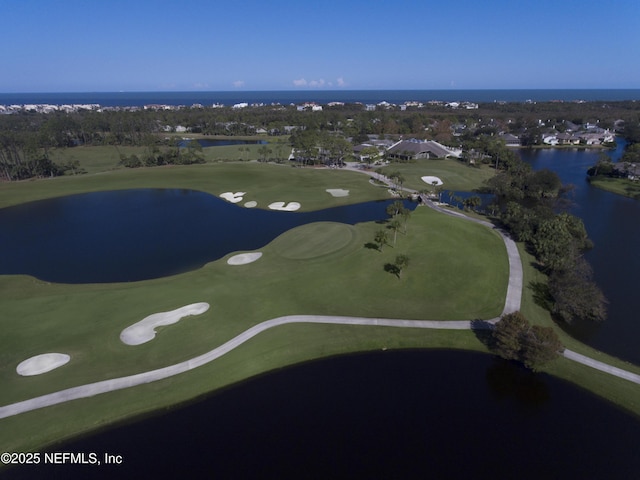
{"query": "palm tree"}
[(402, 261), (380, 239), (395, 226)]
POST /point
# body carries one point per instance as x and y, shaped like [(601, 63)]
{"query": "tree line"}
[(531, 205), (26, 138)]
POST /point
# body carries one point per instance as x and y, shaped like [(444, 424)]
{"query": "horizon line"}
[(328, 90)]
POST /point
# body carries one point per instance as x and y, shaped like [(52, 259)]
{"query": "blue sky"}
[(145, 45)]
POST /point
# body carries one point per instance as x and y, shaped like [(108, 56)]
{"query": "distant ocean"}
[(114, 99)]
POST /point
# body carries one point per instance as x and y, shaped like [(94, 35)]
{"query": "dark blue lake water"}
[(613, 223), (385, 415), (382, 415), (131, 235)]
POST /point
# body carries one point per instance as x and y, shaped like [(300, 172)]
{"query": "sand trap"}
[(251, 204), (42, 364), (233, 197), (337, 192), (144, 330), (244, 258), (430, 180), (289, 207)]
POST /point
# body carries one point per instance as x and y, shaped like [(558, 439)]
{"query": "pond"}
[(407, 414), (131, 235), (411, 414)]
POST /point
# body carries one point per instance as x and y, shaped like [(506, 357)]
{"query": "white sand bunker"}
[(233, 197), (251, 204), (289, 207), (337, 192), (244, 258), (431, 180), (42, 364), (144, 330)]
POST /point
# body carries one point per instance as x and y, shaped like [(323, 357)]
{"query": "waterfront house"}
[(510, 140)]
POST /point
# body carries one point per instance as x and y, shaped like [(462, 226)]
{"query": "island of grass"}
[(458, 271)]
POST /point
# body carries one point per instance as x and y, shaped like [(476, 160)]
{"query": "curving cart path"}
[(512, 303)]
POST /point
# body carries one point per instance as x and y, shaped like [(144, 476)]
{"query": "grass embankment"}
[(264, 183), (621, 392), (323, 268), (455, 174), (621, 186)]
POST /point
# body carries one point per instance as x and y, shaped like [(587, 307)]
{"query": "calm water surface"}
[(405, 415), (383, 415), (131, 235), (613, 223), (285, 97)]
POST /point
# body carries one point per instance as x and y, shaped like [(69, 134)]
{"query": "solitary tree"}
[(381, 239), (402, 262), (395, 226), (396, 210)]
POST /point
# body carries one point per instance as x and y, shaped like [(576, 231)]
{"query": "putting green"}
[(316, 240)]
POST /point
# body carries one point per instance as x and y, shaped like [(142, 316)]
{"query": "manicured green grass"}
[(339, 277), (621, 186), (264, 183), (102, 158), (457, 270), (94, 159), (455, 175)]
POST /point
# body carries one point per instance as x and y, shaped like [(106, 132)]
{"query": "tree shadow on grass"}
[(392, 268), (372, 246), (483, 331), (542, 295)]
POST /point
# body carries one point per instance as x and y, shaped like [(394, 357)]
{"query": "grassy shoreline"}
[(344, 278), (619, 186)]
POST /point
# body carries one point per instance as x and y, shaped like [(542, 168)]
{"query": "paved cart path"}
[(512, 303)]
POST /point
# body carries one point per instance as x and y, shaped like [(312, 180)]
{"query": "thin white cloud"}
[(319, 83), (238, 83)]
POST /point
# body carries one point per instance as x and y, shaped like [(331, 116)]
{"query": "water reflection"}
[(510, 381), (406, 414)]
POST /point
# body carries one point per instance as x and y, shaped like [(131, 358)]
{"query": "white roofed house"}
[(598, 138), (416, 149), (567, 139)]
